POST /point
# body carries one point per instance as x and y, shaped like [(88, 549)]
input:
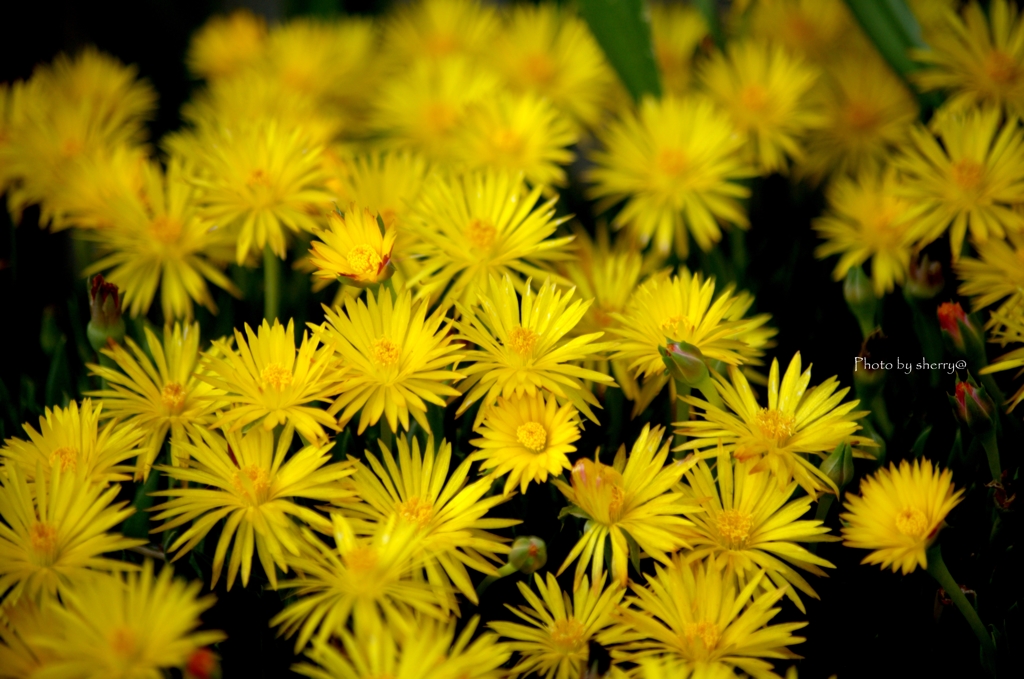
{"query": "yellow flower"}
[(435, 29), (522, 348), (630, 506), (475, 226), (817, 30), (978, 60), (432, 652), (549, 51), (139, 626), (749, 524), (797, 422), (997, 275), (696, 614), (517, 133), (71, 439), (158, 395), (677, 32), (677, 163), (267, 381), (1009, 328), (224, 45), (155, 238), (364, 577), (449, 514), (526, 437), (664, 667), (764, 91), (386, 183), (971, 181), (246, 481), (684, 308), (867, 219), (899, 513), (867, 112), (397, 359), (354, 247), (554, 641), (56, 531), (259, 179), (22, 623)]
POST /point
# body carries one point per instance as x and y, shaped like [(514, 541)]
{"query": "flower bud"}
[(925, 279), (860, 297), (684, 363), (528, 555), (105, 324), (959, 331), (203, 664), (973, 406), (839, 465)]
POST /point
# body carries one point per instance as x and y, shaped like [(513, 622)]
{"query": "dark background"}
[(868, 622)]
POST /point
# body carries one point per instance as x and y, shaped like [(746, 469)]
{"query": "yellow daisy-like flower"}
[(432, 652), (140, 626), (764, 91), (526, 437), (22, 622), (665, 667), (684, 308), (364, 577), (978, 58), (267, 381), (247, 482), (970, 182), (677, 163), (997, 275), (435, 29), (386, 183), (156, 239), (354, 247), (549, 51), (868, 219), (258, 179), (677, 32), (517, 133), (899, 513), (696, 614), (1009, 329), (629, 506), (224, 45), (797, 422), (71, 439), (554, 641), (475, 226), (867, 113), (55, 531), (449, 513), (397, 359), (813, 29), (522, 348), (158, 395), (421, 109), (749, 524)]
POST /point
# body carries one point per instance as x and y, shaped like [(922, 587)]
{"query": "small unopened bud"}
[(960, 332), (105, 322), (925, 279), (839, 465), (203, 664), (973, 406), (528, 555), (685, 363), (860, 297)]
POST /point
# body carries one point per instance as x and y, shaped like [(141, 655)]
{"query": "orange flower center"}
[(385, 352), (753, 98), (707, 632), (775, 425), (255, 477), (276, 376), (671, 162), (734, 527), (539, 68), (43, 538), (507, 141), (860, 116), (361, 559), (67, 456), (967, 174), (439, 117), (532, 435), (364, 260), (568, 634), (1001, 68), (912, 522), (258, 177), (481, 234), (122, 641), (173, 396), (670, 326), (522, 340), (416, 510)]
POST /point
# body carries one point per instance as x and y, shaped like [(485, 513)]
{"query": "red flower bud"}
[(203, 664)]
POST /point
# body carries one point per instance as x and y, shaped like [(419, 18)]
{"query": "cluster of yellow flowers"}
[(418, 160)]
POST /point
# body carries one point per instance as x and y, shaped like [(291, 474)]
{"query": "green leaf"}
[(891, 26), (58, 380), (137, 525), (623, 29), (709, 10), (573, 510), (634, 551), (922, 440)]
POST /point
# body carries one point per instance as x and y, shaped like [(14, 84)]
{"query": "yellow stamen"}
[(1001, 68), (568, 634), (753, 98), (522, 340), (532, 435), (276, 376), (361, 559), (416, 510), (539, 68), (364, 260), (775, 425), (507, 141), (734, 527), (385, 352), (860, 116), (67, 456), (912, 522), (481, 234), (43, 538), (258, 479), (707, 632), (173, 396), (122, 641), (165, 229), (672, 162), (967, 174)]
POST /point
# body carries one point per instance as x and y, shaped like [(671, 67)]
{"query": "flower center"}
[(254, 477), (67, 456), (912, 522), (416, 510), (481, 234), (507, 141), (532, 435), (165, 229), (753, 98), (439, 117), (734, 526), (670, 326), (43, 538), (539, 68), (775, 425), (967, 174), (707, 632), (258, 178), (385, 352), (568, 634), (71, 147), (122, 641), (364, 260), (276, 376), (361, 559), (1001, 68), (860, 116), (671, 162), (173, 396), (522, 340)]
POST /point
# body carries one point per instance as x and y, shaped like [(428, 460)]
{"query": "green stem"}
[(881, 415), (937, 569), (507, 569), (271, 284), (988, 442), (682, 413), (385, 434)]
